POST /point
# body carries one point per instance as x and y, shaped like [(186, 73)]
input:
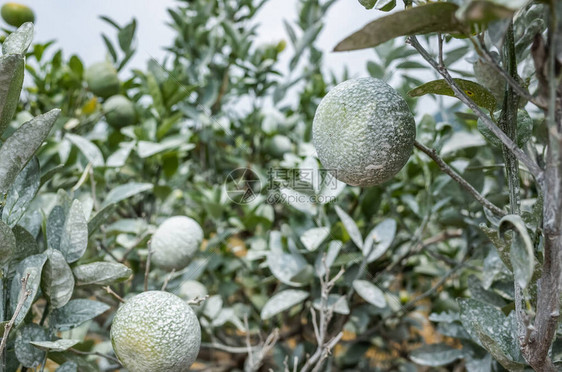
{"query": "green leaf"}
[(74, 240), (28, 355), (311, 239), (147, 149), (350, 226), (282, 301), (370, 293), (18, 42), (435, 355), (502, 246), (21, 194), (486, 11), (21, 145), (26, 245), (119, 157), (521, 255), (7, 244), (380, 238), (32, 265), (101, 273), (125, 191), (57, 281), (368, 4), (54, 346), (76, 312), (386, 5), (55, 226), (126, 35), (68, 367), (11, 82), (100, 218), (480, 95), (90, 151), (435, 17), (494, 331)]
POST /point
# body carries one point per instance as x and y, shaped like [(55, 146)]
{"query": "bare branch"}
[(24, 294), (534, 169), (521, 92), (458, 178), (197, 300), (147, 269), (111, 292), (168, 277)]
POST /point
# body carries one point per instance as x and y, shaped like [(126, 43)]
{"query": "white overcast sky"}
[(76, 26)]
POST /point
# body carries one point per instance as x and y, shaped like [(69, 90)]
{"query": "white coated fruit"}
[(175, 241), (363, 132), (156, 331)]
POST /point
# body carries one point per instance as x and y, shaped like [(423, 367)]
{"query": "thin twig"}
[(147, 269), (521, 92), (111, 292), (535, 170), (109, 357), (197, 300), (168, 277), (133, 246), (459, 179), (226, 348), (24, 294)]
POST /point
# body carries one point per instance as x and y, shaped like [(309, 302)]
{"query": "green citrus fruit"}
[(102, 79), (156, 331), (119, 111), (363, 132), (17, 14), (175, 241), (191, 289), (278, 145)]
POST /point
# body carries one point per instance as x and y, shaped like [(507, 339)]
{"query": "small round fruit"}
[(191, 289), (102, 79), (119, 111), (156, 331), (278, 145), (363, 132), (17, 14), (175, 241)]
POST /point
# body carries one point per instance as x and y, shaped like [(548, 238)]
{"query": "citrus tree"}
[(212, 175)]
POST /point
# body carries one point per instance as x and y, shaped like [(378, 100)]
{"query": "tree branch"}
[(534, 169), (458, 178), (24, 294)]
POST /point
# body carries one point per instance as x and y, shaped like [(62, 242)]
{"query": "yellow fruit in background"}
[(156, 331), (175, 241), (363, 132), (102, 79), (119, 111), (16, 14)]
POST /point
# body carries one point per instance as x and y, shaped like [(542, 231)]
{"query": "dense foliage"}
[(94, 158)]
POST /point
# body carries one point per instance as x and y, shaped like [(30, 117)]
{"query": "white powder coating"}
[(363, 132), (156, 331), (175, 241)]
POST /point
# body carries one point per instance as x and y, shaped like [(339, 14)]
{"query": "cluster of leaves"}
[(79, 211)]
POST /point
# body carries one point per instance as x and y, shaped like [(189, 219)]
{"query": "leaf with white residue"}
[(282, 301)]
